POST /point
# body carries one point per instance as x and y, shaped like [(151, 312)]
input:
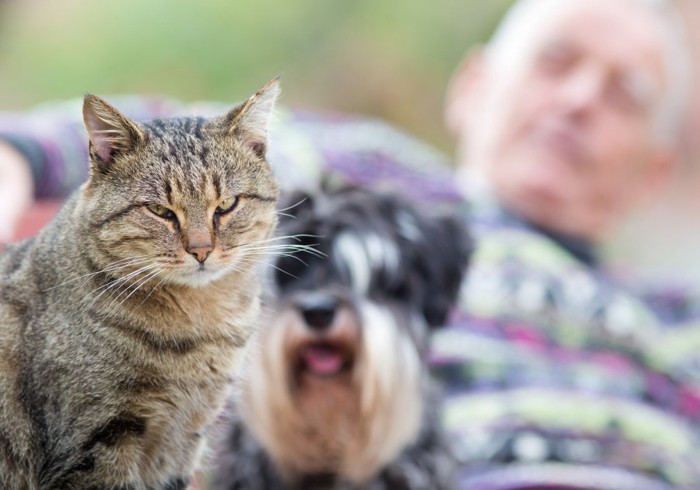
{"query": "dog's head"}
[(348, 325), (374, 248)]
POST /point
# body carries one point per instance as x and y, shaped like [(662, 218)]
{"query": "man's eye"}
[(227, 206), (556, 58), (629, 94)]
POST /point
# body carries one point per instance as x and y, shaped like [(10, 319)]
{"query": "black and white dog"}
[(337, 394)]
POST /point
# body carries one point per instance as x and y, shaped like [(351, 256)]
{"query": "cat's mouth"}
[(199, 275)]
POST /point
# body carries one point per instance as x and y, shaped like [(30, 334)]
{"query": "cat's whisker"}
[(268, 264), (255, 253), (281, 245), (268, 247), (114, 266), (117, 300), (284, 251), (136, 282), (128, 285), (119, 283), (154, 288), (289, 247), (116, 283), (297, 238), (144, 280), (302, 201), (124, 278), (251, 259)]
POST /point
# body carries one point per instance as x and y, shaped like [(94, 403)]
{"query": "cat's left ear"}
[(249, 121), (111, 133)]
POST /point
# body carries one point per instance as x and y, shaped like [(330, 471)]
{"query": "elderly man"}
[(559, 377)]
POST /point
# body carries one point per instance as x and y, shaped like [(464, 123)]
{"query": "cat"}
[(122, 322)]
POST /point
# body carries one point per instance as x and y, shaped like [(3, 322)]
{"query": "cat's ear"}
[(249, 121), (111, 133)]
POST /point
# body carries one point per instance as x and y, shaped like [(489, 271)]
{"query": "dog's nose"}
[(318, 310)]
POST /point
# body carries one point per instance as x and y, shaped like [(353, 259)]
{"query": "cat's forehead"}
[(185, 143), (181, 156), (177, 135)]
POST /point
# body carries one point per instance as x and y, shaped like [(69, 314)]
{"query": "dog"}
[(337, 393)]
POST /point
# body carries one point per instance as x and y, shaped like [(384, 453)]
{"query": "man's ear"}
[(462, 87)]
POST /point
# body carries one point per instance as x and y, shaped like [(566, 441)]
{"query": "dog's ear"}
[(448, 248)]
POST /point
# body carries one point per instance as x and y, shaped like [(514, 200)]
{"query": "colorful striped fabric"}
[(556, 374)]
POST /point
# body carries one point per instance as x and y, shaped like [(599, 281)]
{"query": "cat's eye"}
[(162, 211), (227, 206)]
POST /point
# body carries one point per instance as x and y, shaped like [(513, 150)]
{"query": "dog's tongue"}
[(322, 359)]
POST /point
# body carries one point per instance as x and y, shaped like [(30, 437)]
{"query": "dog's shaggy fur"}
[(337, 394)]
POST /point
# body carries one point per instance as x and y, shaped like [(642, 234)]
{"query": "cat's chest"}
[(175, 374), (165, 415), (177, 419), (190, 318)]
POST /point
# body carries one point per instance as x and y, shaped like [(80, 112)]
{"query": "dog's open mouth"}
[(323, 359)]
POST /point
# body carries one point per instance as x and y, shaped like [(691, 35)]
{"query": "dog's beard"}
[(390, 376), (350, 423)]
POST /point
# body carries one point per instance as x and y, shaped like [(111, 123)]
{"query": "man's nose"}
[(582, 89)]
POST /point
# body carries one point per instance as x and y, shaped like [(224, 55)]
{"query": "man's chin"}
[(544, 206)]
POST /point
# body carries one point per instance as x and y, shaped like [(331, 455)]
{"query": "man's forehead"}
[(624, 31), (629, 21)]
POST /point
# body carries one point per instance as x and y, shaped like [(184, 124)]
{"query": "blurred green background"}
[(389, 58)]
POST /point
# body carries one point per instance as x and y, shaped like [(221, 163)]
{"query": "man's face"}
[(566, 133)]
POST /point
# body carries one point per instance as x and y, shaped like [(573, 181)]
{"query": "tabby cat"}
[(122, 322)]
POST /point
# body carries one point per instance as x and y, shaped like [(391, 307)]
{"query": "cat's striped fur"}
[(121, 323)]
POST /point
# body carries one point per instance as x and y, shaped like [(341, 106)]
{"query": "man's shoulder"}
[(307, 147)]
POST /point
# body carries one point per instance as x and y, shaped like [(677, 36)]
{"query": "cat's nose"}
[(200, 252)]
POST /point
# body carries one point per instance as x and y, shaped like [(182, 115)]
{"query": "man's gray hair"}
[(524, 19)]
